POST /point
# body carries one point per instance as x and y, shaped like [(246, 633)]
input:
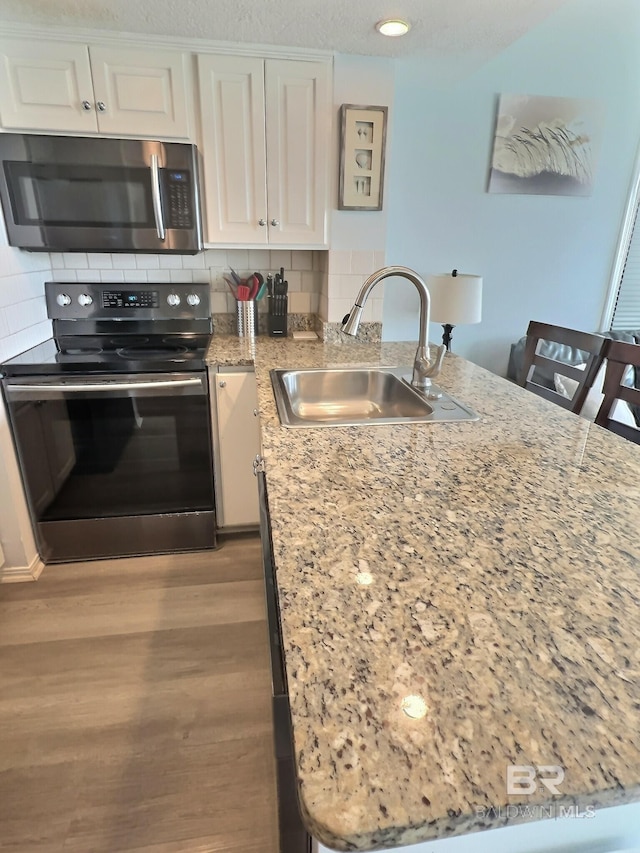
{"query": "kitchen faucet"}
[(423, 370)]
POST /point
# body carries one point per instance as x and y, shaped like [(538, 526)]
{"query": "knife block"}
[(277, 315)]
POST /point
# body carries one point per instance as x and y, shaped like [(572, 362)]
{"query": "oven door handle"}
[(156, 198), (41, 391)]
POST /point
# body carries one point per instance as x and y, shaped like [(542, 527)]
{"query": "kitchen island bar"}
[(458, 602)]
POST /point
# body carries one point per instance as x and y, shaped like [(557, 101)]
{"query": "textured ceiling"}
[(440, 27)]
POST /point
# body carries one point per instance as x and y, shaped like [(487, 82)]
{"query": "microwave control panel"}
[(178, 184)]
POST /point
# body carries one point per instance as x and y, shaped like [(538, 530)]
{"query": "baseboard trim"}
[(20, 574)]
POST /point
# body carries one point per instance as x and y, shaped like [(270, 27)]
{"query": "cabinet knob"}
[(222, 384), (275, 222), (262, 222), (101, 106), (86, 105), (255, 413)]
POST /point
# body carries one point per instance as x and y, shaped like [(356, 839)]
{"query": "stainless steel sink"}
[(355, 396)]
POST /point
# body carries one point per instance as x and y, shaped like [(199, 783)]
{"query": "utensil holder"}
[(246, 318)]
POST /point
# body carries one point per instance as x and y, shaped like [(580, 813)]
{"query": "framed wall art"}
[(545, 145), (362, 144)]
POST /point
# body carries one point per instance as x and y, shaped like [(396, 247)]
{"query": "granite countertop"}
[(490, 568)]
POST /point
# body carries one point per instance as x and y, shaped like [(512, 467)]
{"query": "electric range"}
[(111, 421)]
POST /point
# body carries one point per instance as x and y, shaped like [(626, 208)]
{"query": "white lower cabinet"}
[(236, 438), (600, 830)]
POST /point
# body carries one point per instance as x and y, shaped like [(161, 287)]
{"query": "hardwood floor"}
[(135, 711)]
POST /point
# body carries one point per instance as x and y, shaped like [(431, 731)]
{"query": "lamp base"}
[(447, 336)]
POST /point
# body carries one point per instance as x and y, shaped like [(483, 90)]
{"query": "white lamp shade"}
[(455, 299)]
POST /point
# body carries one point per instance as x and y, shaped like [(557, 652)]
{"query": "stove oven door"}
[(115, 465)]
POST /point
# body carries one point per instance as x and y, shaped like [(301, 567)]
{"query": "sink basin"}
[(356, 396)]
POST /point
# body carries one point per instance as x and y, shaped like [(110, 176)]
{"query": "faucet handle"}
[(435, 368)]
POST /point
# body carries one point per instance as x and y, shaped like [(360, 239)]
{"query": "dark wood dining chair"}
[(543, 361), (620, 355)]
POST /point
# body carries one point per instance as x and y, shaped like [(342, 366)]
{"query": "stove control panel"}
[(130, 299), (144, 301)]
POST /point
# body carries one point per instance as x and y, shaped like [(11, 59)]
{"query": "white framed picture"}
[(362, 147)]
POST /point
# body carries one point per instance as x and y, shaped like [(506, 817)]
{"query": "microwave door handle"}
[(155, 196)]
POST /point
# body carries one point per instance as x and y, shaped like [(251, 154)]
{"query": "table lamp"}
[(456, 298)]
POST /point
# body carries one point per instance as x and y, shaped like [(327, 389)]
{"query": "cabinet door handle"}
[(262, 222), (101, 106), (258, 465), (275, 222), (86, 106), (222, 384)]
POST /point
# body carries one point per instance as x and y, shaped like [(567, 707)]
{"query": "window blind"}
[(626, 313)]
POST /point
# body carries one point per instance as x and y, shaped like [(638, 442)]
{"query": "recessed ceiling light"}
[(394, 27)]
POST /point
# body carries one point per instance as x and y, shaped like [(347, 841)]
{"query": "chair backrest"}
[(557, 338), (619, 356)]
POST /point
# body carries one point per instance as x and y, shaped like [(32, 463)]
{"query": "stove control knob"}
[(63, 299), (173, 300), (193, 299), (85, 300)]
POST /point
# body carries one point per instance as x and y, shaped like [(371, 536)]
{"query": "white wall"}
[(23, 323), (542, 257), (358, 237)]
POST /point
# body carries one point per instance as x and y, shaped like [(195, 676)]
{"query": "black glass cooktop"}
[(109, 355)]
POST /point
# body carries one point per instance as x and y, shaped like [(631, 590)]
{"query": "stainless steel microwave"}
[(86, 194)]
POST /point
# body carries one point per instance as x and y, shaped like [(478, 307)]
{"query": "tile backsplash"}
[(322, 284), (303, 271), (23, 314)]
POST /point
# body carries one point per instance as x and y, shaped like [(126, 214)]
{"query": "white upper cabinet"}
[(71, 88), (233, 147), (266, 128), (140, 92), (298, 143), (43, 86)]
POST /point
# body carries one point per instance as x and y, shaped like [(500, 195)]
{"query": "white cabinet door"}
[(43, 86), (237, 445), (233, 143), (298, 136), (139, 92), (68, 87), (266, 133)]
